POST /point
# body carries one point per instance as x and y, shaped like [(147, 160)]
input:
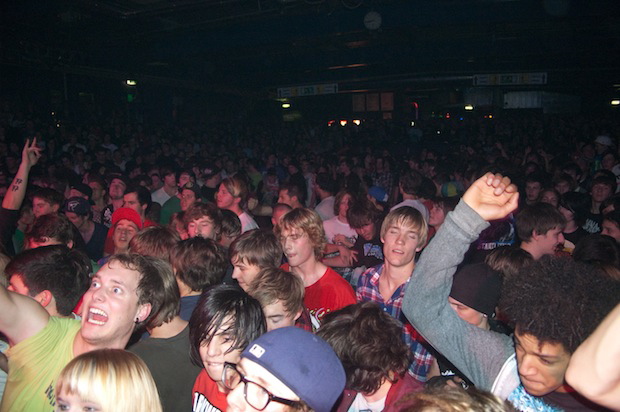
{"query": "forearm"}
[(17, 191), (594, 368)]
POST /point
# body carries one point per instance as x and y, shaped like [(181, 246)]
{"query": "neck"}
[(397, 275), (570, 227), (117, 203), (532, 249), (407, 196), (87, 228), (80, 345), (168, 329), (170, 190), (379, 393), (186, 290), (310, 271)]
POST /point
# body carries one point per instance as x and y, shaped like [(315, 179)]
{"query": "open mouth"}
[(97, 316)]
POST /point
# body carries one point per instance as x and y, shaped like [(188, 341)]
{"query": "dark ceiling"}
[(256, 46)]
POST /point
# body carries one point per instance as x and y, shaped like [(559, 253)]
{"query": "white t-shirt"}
[(247, 222), (335, 227), (325, 208)]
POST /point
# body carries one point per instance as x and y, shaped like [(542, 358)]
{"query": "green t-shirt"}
[(169, 208), (34, 366)]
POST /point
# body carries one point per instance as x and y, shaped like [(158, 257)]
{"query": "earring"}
[(137, 320)]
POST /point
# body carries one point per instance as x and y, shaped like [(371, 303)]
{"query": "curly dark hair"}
[(368, 342), (559, 300)]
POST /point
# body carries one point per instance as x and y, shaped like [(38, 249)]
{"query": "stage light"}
[(286, 105), (469, 107), (343, 123), (131, 82), (615, 102), (357, 122)]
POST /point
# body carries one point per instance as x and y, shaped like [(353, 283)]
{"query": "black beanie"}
[(477, 286)]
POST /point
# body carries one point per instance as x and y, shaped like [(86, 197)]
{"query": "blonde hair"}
[(409, 217), (309, 222), (117, 380)]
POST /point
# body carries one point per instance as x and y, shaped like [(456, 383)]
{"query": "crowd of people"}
[(460, 264)]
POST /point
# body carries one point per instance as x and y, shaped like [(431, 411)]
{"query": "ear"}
[(55, 208), (44, 298), (143, 312), (535, 235), (70, 244)]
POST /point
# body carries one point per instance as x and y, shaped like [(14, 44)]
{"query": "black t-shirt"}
[(369, 252)]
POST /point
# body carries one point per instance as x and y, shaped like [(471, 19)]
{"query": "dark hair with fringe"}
[(368, 342), (217, 306)]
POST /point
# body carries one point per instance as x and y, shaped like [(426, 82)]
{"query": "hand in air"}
[(492, 196)]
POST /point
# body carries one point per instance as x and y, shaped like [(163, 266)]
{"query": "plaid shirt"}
[(368, 290)]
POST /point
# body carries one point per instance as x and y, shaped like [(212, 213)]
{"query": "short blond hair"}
[(309, 222), (407, 216), (113, 378)]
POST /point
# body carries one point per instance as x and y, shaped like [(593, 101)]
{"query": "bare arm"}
[(594, 368), (17, 191), (20, 316)]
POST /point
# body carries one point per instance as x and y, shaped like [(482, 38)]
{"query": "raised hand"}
[(31, 153), (492, 196)]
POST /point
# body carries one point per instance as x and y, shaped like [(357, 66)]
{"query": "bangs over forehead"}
[(407, 217)]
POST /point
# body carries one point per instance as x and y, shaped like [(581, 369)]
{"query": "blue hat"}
[(302, 361)]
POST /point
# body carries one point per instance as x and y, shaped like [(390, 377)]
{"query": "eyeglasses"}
[(255, 395)]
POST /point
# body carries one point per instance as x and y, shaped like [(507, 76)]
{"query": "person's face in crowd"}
[(400, 244), (343, 207), (110, 306), (17, 285), (277, 316), (73, 402), (277, 215), (216, 351), (284, 197), (367, 232), (203, 227), (78, 220), (42, 207), (131, 201), (549, 196), (100, 156), (608, 161), (532, 191), (600, 192), (188, 198), (124, 231), (611, 229), (562, 187), (117, 189), (223, 198), (170, 180), (588, 151), (549, 242), (156, 182), (541, 364), (436, 215), (297, 247), (344, 168), (244, 272), (183, 179), (98, 191), (469, 315), (253, 372), (568, 215)]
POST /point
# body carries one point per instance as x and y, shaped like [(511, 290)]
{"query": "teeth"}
[(97, 312), (96, 322)]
